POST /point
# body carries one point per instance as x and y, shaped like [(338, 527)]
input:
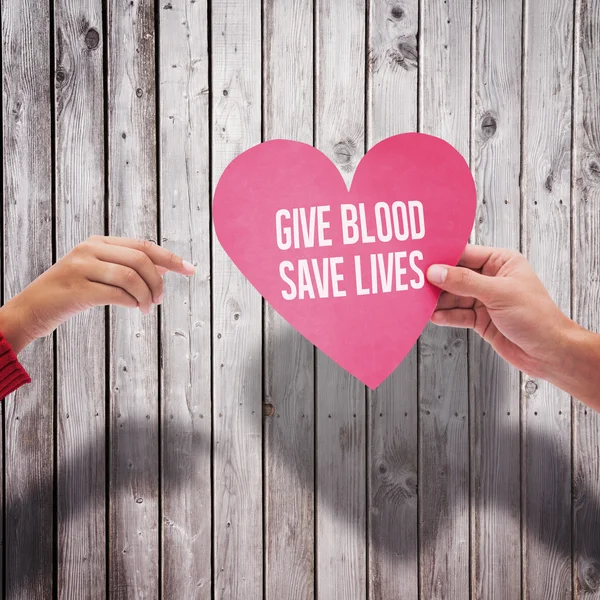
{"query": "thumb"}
[(462, 282)]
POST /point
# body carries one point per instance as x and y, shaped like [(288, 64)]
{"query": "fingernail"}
[(160, 299), (437, 274), (189, 267)]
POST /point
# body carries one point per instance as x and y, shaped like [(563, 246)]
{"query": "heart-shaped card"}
[(347, 268)]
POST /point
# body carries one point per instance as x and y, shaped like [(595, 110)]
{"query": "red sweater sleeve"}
[(12, 374)]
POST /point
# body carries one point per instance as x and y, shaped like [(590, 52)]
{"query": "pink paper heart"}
[(283, 214)]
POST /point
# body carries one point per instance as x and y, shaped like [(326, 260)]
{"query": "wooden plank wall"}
[(495, 397), (133, 550), (393, 409), (80, 432), (237, 318), (289, 360), (546, 215), (207, 450), (185, 411), (341, 432), (586, 290), (444, 94), (28, 421)]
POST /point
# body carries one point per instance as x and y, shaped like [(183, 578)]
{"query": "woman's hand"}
[(497, 293), (100, 271)]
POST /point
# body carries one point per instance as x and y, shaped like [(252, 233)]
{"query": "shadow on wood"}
[(543, 525), (29, 583), (401, 491)]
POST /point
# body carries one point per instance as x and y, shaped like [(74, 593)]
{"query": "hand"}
[(100, 271), (497, 293)]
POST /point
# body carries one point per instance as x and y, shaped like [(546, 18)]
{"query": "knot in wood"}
[(594, 170), (411, 485), (590, 577), (488, 126), (234, 308), (405, 53), (17, 110), (92, 39), (343, 152), (397, 12), (531, 387), (61, 76)]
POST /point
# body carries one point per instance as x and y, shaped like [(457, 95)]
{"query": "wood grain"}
[(80, 381), (393, 408), (336, 511), (289, 357), (548, 70), (237, 318), (186, 315), (340, 401), (495, 397), (586, 292), (27, 196), (134, 447), (444, 101)]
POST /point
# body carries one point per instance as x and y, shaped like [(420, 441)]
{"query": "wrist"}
[(575, 367), (12, 323)]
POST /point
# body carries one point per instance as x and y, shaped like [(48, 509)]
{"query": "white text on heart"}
[(308, 227)]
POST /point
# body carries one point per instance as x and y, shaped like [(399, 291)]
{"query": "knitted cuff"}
[(12, 373)]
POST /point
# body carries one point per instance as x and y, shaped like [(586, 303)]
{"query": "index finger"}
[(161, 257), (480, 257), (475, 257)]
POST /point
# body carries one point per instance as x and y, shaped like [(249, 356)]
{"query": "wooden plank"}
[(444, 392), (134, 458), (340, 401), (27, 188), (237, 318), (81, 449), (289, 357), (586, 292), (495, 395), (186, 341), (548, 69), (393, 408)]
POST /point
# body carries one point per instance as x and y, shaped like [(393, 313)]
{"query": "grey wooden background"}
[(207, 450)]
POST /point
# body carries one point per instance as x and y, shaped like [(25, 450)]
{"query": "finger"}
[(448, 301), (463, 282), (126, 278), (485, 260), (456, 317), (100, 294), (475, 257), (161, 270), (159, 256), (136, 260)]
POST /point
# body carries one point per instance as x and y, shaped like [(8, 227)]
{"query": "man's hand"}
[(100, 271), (497, 293)]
